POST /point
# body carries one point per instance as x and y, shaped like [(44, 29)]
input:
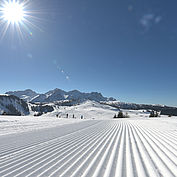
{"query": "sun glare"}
[(17, 19), (13, 12)]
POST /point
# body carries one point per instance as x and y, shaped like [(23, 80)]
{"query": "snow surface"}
[(19, 124), (92, 110), (105, 147)]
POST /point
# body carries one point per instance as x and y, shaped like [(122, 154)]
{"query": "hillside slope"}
[(92, 110), (12, 105)]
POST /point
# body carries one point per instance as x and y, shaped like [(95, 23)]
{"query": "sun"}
[(18, 19), (13, 12)]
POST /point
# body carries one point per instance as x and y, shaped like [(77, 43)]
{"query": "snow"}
[(4, 95), (26, 95), (105, 147), (7, 100), (17, 124), (88, 109)]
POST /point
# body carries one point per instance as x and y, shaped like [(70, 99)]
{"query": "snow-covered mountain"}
[(62, 98), (12, 105), (26, 95), (58, 95)]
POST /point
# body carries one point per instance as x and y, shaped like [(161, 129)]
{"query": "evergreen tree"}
[(152, 114), (115, 116), (120, 115)]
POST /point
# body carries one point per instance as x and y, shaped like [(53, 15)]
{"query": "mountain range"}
[(58, 95), (28, 101)]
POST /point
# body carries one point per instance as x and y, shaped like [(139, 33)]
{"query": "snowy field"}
[(132, 147), (93, 110), (14, 124)]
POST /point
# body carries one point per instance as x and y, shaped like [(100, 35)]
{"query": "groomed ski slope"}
[(98, 148)]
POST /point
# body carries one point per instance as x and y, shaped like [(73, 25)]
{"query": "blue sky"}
[(126, 49)]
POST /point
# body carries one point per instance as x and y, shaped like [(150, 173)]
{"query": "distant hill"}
[(165, 110)]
